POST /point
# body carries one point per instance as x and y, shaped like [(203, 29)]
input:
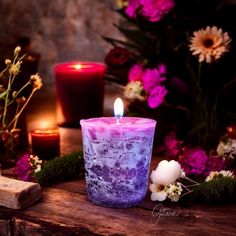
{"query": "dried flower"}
[(209, 44), (14, 94), (17, 50), (8, 62), (8, 120), (15, 68), (21, 100), (37, 81)]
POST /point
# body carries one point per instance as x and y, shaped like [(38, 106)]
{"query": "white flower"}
[(174, 191), (209, 44), (212, 175), (158, 192), (134, 90), (37, 169), (221, 148), (227, 173), (217, 174), (227, 149), (36, 163), (166, 173)]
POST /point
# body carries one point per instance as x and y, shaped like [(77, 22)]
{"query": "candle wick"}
[(118, 119)]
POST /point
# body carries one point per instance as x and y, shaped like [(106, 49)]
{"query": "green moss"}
[(219, 190), (60, 169)]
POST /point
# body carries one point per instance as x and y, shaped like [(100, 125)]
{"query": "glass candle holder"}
[(45, 143), (117, 155), (80, 91)]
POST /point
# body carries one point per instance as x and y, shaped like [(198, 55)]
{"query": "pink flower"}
[(172, 145), (23, 168), (194, 161), (136, 72), (214, 163), (133, 6), (153, 77), (157, 96), (155, 10)]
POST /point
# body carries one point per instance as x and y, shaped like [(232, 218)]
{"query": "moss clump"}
[(218, 191), (60, 169)]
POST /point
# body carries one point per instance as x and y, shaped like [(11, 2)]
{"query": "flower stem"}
[(15, 119)]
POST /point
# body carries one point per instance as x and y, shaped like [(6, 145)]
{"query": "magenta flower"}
[(23, 169), (153, 77), (172, 145), (155, 10), (132, 8), (157, 96), (214, 163), (194, 161), (136, 73)]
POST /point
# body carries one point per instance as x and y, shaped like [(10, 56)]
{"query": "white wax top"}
[(113, 122)]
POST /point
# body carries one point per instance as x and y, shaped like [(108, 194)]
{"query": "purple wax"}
[(117, 157)]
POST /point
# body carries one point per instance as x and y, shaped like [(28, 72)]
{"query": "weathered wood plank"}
[(65, 210), (18, 194)]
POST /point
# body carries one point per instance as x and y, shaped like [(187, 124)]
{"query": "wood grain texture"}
[(65, 212)]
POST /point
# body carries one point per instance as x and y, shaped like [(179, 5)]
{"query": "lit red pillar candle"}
[(45, 143), (80, 90)]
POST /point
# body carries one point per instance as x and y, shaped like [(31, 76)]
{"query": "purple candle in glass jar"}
[(117, 153)]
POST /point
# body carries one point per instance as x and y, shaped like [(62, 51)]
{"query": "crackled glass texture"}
[(117, 159)]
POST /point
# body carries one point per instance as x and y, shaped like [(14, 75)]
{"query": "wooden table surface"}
[(65, 210)]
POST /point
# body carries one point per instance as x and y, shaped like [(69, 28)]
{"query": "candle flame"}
[(230, 129), (81, 66), (118, 108), (78, 66)]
